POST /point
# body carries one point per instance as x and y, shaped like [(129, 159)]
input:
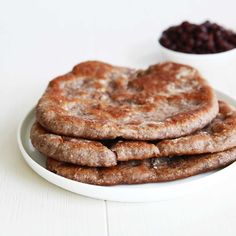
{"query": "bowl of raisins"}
[(208, 46)]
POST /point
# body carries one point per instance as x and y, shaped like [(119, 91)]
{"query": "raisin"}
[(198, 38)]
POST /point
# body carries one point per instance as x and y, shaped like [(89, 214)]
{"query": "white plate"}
[(123, 193)]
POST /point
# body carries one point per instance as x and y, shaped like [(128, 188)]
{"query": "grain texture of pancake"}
[(72, 150), (99, 101), (145, 171), (218, 136)]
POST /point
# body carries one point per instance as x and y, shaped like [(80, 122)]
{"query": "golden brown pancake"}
[(145, 171), (100, 101), (218, 136)]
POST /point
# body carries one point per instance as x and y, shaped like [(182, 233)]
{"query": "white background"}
[(42, 39)]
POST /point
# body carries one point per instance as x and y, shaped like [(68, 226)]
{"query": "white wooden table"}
[(42, 39)]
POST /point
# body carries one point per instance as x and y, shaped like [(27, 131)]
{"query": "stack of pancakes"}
[(108, 125)]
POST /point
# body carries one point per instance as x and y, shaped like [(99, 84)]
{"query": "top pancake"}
[(99, 101)]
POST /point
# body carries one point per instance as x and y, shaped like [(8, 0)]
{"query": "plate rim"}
[(117, 193)]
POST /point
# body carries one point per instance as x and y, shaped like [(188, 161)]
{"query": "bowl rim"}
[(207, 55)]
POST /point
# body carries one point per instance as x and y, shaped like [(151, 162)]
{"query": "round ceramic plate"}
[(124, 193)]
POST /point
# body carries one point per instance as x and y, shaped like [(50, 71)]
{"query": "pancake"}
[(145, 171), (77, 151), (100, 101), (218, 136)]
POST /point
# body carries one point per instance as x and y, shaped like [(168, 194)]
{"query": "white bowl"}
[(212, 66), (124, 193)]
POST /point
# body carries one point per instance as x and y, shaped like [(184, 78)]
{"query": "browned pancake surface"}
[(218, 136), (146, 171), (99, 101), (77, 151)]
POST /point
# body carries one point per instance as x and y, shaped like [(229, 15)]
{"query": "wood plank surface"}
[(209, 213)]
